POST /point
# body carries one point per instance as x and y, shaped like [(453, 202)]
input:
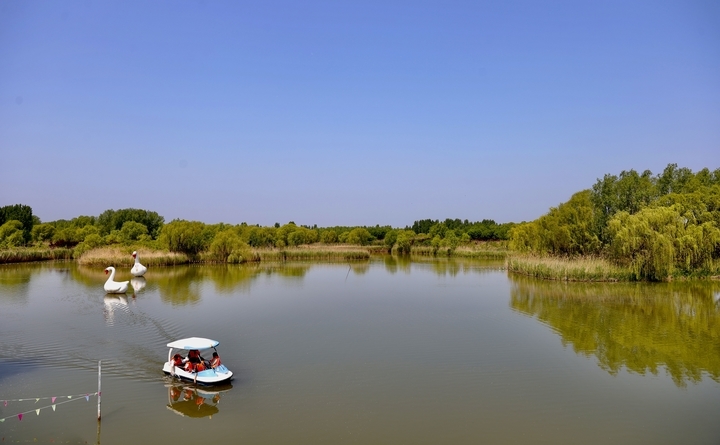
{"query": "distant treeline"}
[(658, 225), (226, 242)]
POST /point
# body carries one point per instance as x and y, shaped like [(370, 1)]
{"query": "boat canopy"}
[(193, 343)]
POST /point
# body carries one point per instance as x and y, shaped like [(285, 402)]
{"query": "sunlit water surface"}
[(385, 352)]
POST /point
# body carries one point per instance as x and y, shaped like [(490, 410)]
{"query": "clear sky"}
[(348, 113)]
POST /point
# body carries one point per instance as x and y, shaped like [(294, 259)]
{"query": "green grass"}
[(28, 254), (568, 269)]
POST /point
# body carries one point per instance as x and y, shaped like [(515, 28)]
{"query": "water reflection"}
[(14, 282), (113, 303), (138, 284), (194, 401), (639, 327)]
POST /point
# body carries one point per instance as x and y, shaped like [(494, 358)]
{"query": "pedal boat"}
[(207, 377)]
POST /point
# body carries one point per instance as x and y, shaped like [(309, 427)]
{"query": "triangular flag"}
[(53, 407), (69, 397), (20, 416), (53, 399), (37, 400), (2, 420), (87, 397), (37, 411)]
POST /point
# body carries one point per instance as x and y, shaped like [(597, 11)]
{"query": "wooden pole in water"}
[(99, 375)]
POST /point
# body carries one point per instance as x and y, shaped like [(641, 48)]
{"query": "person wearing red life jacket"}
[(177, 360), (215, 362)]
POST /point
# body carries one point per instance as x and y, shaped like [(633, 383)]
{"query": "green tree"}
[(328, 237), (111, 220), (391, 238), (405, 239), (228, 246), (133, 231), (656, 241), (360, 236), (42, 233), (22, 213), (11, 234), (188, 237), (565, 230)]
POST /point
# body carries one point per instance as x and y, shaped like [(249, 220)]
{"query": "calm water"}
[(387, 352)]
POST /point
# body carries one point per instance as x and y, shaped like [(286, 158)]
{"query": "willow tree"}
[(189, 237), (658, 240), (565, 230)]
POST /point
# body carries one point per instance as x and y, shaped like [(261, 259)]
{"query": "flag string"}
[(71, 398), (36, 399)]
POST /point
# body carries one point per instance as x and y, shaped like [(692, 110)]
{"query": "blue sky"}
[(348, 113)]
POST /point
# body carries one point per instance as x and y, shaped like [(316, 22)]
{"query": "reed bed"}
[(568, 269), (122, 256), (25, 255), (487, 250), (313, 253)]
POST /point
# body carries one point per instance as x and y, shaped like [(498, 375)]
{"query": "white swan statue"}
[(138, 269), (112, 286)]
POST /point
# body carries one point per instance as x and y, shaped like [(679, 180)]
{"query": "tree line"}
[(658, 225), (226, 242)]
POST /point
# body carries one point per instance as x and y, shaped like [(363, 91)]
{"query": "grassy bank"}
[(122, 256), (29, 254), (562, 269)]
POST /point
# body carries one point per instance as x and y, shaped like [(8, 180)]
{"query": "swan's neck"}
[(112, 275), (137, 259)]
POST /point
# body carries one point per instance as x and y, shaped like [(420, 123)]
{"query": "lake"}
[(385, 352)]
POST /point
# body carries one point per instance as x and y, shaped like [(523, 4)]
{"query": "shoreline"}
[(580, 269)]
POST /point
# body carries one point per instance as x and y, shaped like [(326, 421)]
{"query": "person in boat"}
[(177, 360), (195, 357), (195, 362), (195, 367), (215, 362)]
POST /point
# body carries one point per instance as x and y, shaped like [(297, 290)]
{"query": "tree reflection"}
[(179, 285), (641, 327), (14, 281)]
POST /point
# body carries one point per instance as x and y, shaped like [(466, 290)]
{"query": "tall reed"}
[(568, 269), (314, 253), (24, 255), (122, 256)]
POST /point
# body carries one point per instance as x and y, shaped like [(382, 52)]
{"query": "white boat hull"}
[(207, 377)]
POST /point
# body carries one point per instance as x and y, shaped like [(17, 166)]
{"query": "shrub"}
[(133, 231), (41, 233), (187, 237), (328, 237), (11, 234), (360, 236)]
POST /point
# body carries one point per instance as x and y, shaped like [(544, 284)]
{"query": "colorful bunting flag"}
[(53, 399), (20, 416), (37, 411), (53, 407)]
